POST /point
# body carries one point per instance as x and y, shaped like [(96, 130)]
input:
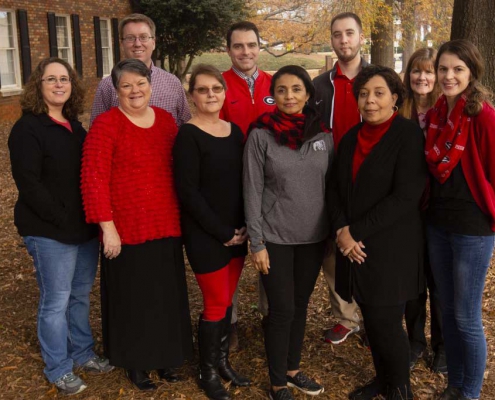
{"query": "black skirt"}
[(145, 308)]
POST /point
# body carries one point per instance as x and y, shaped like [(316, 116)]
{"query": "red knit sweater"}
[(127, 176)]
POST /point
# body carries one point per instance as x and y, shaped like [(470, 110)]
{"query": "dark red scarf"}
[(446, 137), (288, 129)]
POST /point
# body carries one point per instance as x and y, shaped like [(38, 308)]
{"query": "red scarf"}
[(367, 138), (288, 129), (446, 137)]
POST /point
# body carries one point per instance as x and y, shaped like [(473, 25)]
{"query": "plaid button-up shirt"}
[(250, 80)]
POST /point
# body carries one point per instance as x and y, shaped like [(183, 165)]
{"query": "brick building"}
[(83, 32)]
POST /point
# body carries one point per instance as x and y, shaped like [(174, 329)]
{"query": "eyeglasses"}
[(132, 39), (206, 90), (51, 80)]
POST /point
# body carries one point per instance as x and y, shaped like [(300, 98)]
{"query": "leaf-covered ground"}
[(339, 368)]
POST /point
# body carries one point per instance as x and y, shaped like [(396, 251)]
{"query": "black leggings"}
[(289, 284), (389, 344), (416, 316)]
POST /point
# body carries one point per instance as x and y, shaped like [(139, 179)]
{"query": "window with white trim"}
[(64, 39), (10, 73), (106, 45)]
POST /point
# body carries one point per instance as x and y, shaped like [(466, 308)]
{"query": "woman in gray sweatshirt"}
[(287, 162)]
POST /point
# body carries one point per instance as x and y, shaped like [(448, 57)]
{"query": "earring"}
[(395, 108)]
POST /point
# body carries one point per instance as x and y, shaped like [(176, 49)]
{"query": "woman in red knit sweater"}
[(128, 188)]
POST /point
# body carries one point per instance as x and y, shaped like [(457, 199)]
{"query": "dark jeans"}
[(289, 284), (389, 344), (415, 316), (460, 264)]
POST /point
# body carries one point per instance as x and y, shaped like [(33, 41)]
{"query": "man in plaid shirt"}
[(137, 33)]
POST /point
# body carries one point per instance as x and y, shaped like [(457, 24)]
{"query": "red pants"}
[(218, 287)]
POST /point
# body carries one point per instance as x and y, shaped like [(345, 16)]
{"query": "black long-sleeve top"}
[(46, 166), (208, 178)]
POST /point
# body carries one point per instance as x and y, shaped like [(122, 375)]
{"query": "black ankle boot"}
[(140, 379), (209, 334), (400, 393), (224, 368), (168, 374)]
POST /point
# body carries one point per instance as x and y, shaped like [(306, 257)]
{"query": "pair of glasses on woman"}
[(51, 80), (206, 90), (132, 39)]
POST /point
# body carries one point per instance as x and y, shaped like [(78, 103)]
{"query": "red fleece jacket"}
[(239, 107)]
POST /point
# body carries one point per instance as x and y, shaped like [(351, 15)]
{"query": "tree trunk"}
[(187, 67), (382, 37), (473, 20), (178, 66), (408, 43), (408, 18)]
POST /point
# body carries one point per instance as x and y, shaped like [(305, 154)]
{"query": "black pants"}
[(415, 316), (389, 344), (289, 284)]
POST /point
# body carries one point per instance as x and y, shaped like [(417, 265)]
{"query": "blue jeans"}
[(459, 264), (65, 275)]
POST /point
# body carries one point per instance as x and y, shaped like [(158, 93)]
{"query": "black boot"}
[(168, 374), (224, 368), (140, 379), (400, 393), (209, 334)]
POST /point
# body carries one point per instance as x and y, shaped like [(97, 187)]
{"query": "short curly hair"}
[(32, 98), (391, 77)]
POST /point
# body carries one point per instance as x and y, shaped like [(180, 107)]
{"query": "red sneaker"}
[(339, 333)]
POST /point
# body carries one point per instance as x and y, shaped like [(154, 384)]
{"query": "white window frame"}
[(70, 52), (16, 88), (106, 47)]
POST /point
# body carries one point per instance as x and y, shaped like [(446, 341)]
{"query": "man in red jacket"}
[(247, 97), (248, 88)]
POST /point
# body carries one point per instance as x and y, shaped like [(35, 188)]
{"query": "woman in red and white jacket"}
[(460, 144)]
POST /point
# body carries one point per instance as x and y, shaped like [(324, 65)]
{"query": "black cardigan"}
[(208, 178), (46, 166), (382, 209)]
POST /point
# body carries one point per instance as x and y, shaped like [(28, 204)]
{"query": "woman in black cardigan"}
[(45, 153), (379, 177)]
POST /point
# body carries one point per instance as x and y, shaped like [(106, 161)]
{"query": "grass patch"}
[(266, 61)]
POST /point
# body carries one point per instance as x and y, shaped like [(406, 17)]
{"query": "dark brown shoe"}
[(451, 393)]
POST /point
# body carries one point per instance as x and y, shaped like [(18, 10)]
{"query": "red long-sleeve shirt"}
[(127, 176)]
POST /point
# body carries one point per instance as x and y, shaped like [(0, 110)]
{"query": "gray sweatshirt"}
[(284, 189)]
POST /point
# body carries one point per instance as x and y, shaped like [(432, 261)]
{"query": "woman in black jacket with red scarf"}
[(378, 180)]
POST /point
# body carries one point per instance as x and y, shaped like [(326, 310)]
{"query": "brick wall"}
[(39, 43)]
